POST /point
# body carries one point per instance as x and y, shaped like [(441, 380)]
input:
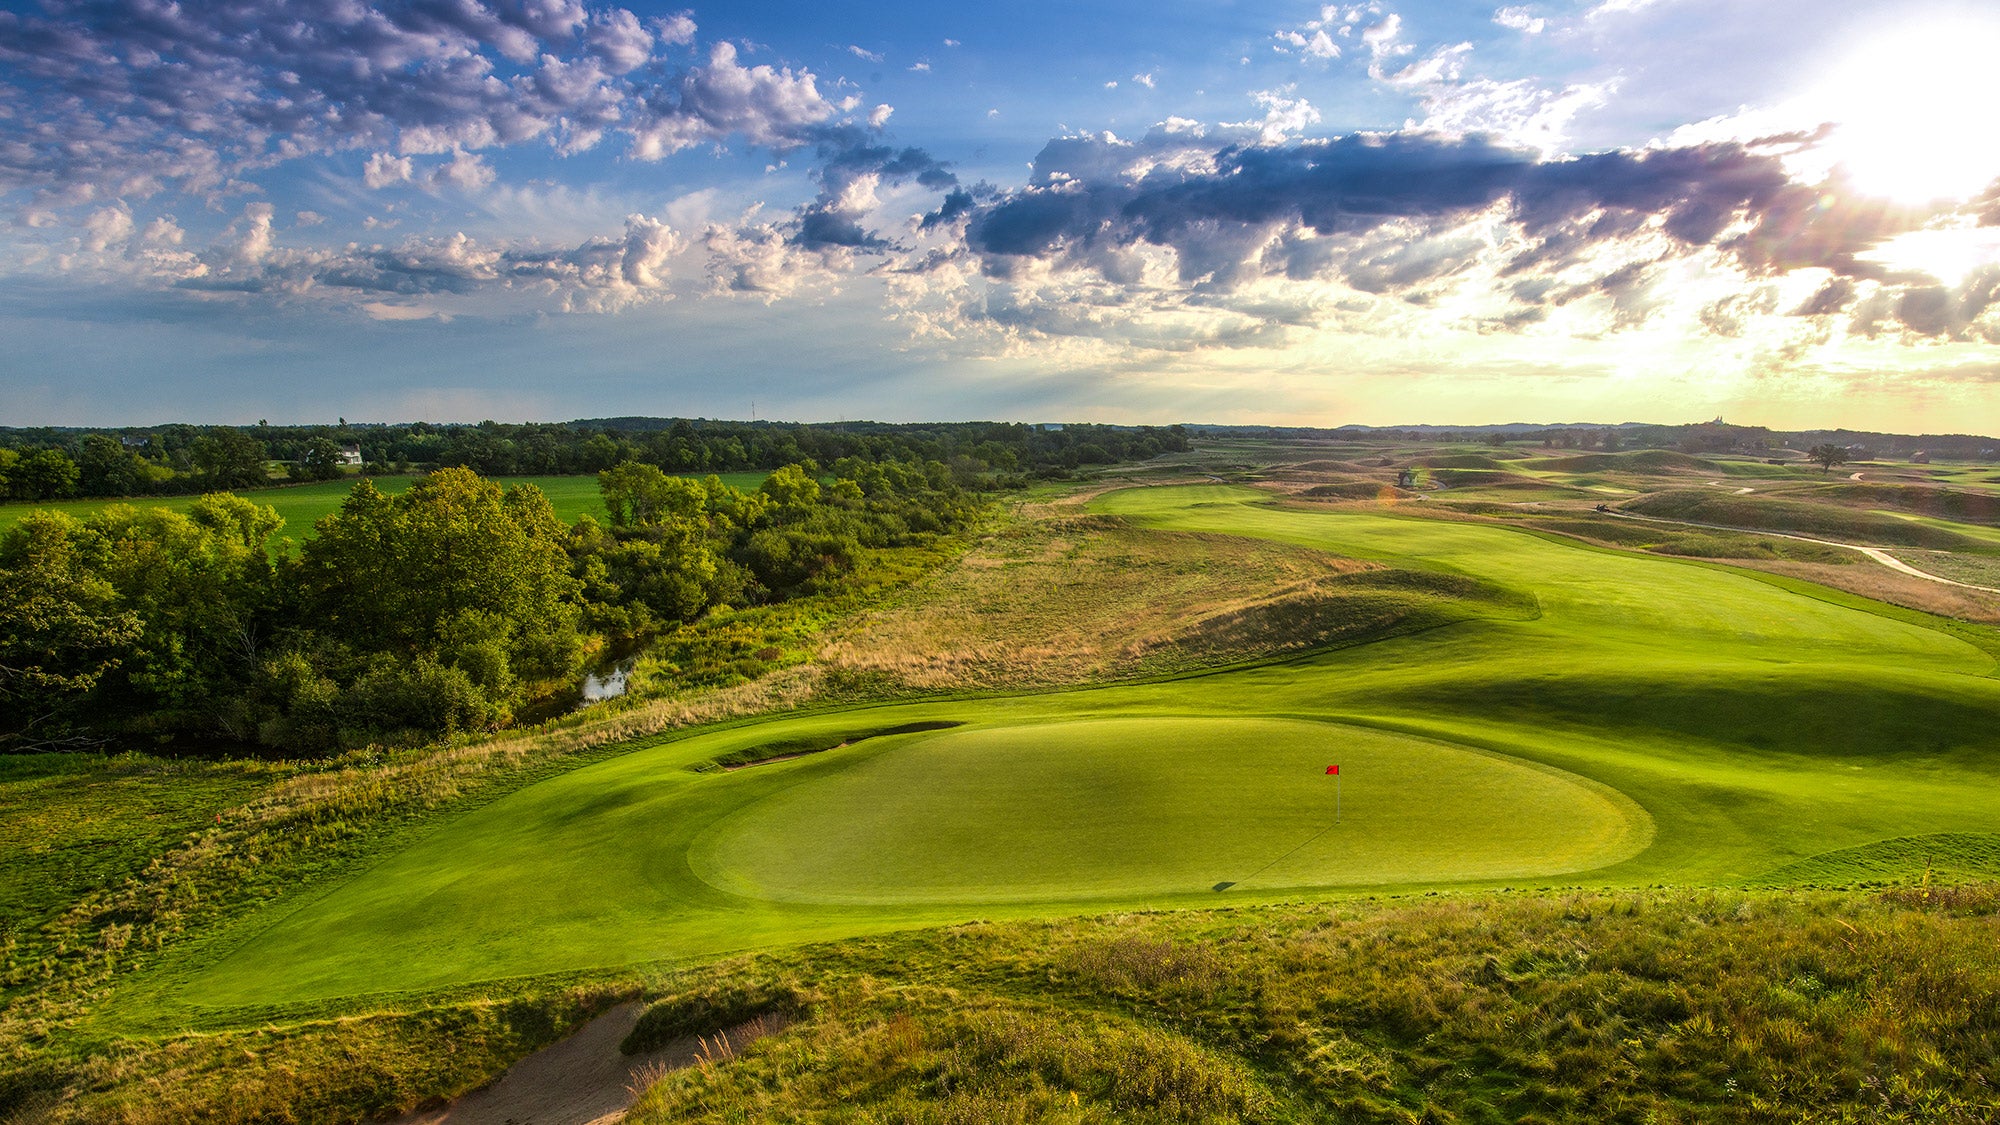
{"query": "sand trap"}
[(583, 1080)]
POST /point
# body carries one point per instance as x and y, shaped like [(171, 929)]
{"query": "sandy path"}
[(582, 1080), (1854, 476), (1876, 553)]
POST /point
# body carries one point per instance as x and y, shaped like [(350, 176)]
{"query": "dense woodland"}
[(54, 464), (454, 606)]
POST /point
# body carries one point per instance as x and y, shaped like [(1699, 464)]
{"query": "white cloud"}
[(675, 30), (466, 171), (1618, 7), (620, 41), (863, 53), (106, 228), (195, 98), (1520, 19), (1520, 112), (1145, 80), (1284, 115), (383, 170), (879, 116), (1315, 38), (767, 106)]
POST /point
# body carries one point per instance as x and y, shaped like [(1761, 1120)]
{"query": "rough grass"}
[(1649, 461), (72, 825), (1053, 599), (1943, 503), (1937, 858), (1980, 570), (326, 1072), (1680, 1006), (1751, 1007), (1823, 520)]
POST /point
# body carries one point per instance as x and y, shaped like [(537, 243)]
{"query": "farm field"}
[(1620, 720), (302, 505)]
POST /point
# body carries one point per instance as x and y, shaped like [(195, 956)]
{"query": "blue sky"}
[(1283, 213)]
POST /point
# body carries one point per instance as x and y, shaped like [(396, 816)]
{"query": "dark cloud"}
[(851, 164), (1384, 213)]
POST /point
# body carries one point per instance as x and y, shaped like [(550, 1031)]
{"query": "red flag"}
[(1331, 770)]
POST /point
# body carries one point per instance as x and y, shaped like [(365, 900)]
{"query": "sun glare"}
[(1913, 113)]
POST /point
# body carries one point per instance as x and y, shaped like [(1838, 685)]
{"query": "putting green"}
[(1122, 807)]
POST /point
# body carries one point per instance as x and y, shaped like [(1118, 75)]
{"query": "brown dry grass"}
[(1054, 598)]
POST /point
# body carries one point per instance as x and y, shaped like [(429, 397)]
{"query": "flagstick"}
[(1336, 798)]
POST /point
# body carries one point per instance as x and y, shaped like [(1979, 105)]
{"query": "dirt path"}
[(1876, 553), (582, 1080)]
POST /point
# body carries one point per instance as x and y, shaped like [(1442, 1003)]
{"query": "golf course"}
[(1586, 718)]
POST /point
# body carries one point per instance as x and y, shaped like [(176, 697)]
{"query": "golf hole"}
[(1116, 807)]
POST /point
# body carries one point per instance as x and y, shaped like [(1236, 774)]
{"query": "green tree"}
[(106, 468), (1827, 455), (452, 566), (791, 490), (61, 628), (205, 588), (43, 474), (229, 458), (640, 495), (319, 460)]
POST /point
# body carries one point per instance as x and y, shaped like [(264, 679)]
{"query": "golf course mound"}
[(1140, 806), (1938, 857)]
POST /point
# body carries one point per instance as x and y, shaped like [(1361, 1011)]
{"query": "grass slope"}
[(1756, 722)]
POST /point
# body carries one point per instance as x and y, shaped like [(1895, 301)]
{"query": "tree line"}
[(456, 605), (53, 464)]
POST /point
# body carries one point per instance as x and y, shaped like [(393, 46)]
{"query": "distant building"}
[(1920, 458), (350, 454)]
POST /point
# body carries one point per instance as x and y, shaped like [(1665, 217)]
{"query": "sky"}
[(1781, 213)]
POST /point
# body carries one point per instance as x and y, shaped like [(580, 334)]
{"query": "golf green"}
[(1118, 807)]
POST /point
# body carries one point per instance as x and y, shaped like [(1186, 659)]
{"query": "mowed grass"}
[(1116, 807), (1748, 722)]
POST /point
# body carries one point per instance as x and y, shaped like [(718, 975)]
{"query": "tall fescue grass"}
[(1643, 1006)]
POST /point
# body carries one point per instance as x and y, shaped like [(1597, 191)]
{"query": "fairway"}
[(1147, 806), (1644, 720)]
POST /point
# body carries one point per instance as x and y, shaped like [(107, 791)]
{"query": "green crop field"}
[(302, 505), (1607, 719)]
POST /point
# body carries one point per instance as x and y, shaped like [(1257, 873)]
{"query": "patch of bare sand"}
[(583, 1080)]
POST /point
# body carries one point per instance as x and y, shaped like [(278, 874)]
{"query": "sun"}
[(1912, 112)]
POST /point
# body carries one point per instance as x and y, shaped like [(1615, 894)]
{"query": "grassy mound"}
[(1354, 490), (1942, 857), (1820, 520), (786, 748), (1458, 461), (1644, 461), (1943, 503)]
